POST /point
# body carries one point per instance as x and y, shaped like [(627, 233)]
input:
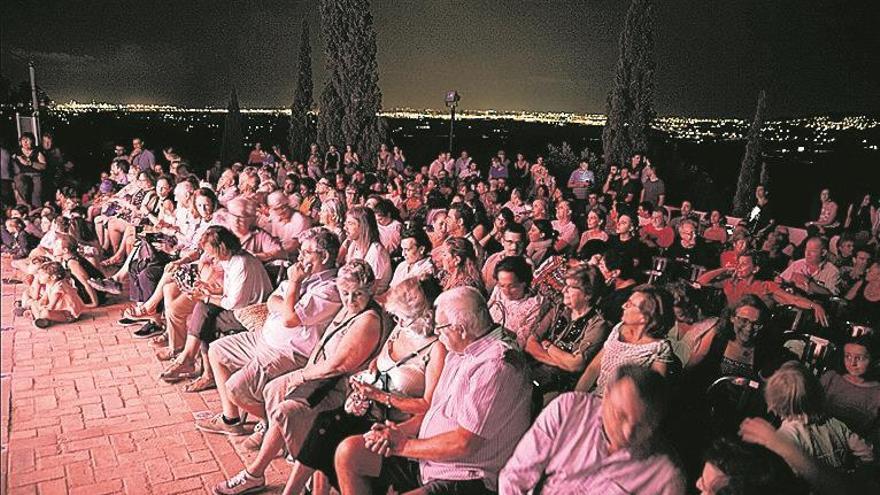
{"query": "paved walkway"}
[(83, 412)]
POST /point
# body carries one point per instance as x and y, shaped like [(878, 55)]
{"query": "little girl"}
[(60, 302), (795, 396), (853, 394)]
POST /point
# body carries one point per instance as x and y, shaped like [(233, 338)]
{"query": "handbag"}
[(358, 405), (314, 396)]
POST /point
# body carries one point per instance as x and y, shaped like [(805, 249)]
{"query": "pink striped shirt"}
[(487, 395), (567, 444)]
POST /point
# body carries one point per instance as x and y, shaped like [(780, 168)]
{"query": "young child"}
[(795, 396), (35, 289), (60, 302)]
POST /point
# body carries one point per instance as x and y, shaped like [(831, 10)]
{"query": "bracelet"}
[(387, 399)]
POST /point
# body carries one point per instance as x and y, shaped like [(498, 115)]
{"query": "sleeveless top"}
[(616, 353), (409, 377)]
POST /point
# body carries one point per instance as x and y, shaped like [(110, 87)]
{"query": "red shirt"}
[(734, 289), (663, 237)]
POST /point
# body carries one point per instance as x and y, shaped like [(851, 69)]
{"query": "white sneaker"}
[(241, 483)]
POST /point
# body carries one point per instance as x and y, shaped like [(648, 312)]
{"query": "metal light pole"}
[(452, 98), (34, 102)]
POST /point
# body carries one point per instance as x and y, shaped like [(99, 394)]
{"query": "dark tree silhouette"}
[(630, 107), (350, 43), (232, 148), (749, 170), (302, 130)]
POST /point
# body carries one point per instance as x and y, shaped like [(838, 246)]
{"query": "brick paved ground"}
[(89, 415)]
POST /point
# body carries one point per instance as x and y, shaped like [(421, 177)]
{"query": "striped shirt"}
[(488, 395)]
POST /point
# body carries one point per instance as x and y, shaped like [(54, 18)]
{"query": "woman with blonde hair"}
[(397, 385), (458, 264), (332, 216), (363, 243), (349, 343)]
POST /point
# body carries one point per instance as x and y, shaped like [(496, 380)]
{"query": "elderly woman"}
[(576, 332), (640, 338), (332, 216), (398, 385), (458, 264), (510, 304), (350, 341), (363, 243)]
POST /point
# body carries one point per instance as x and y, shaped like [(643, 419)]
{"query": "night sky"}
[(712, 56)]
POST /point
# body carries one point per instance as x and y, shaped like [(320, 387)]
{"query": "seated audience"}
[(459, 445)]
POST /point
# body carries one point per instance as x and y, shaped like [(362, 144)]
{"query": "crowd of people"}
[(452, 327)]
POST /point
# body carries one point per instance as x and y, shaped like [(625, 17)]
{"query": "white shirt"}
[(404, 270), (378, 259), (389, 235), (245, 281), (317, 304)]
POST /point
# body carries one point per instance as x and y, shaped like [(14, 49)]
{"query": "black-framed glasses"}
[(757, 325), (437, 328)]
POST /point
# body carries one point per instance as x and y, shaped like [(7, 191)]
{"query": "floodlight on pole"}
[(452, 99)]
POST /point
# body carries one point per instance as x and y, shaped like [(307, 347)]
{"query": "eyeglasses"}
[(745, 321), (437, 328)]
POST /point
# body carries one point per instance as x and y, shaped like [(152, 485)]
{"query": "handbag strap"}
[(400, 362)]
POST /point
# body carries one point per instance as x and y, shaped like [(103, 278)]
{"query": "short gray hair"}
[(357, 274), (464, 306), (325, 240)]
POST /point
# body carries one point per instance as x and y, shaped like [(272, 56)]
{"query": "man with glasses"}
[(479, 410), (299, 311), (513, 243)]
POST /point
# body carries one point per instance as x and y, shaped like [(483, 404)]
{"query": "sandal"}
[(200, 384), (167, 354), (179, 371), (137, 312)]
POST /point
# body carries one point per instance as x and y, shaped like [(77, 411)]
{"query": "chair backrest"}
[(816, 353), (731, 399)]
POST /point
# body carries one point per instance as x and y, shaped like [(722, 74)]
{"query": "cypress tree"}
[(302, 131), (353, 71), (630, 106), (232, 148), (749, 169)]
